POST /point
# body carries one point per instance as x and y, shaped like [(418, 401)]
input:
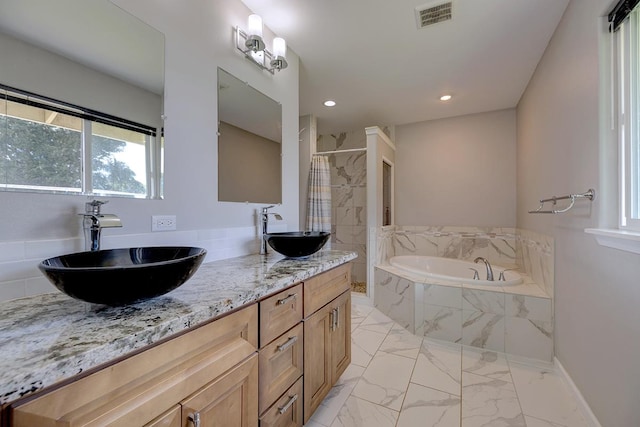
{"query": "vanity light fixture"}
[(445, 97), (250, 43)]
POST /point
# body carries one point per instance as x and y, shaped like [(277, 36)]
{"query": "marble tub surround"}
[(512, 319), (532, 253), (47, 338)]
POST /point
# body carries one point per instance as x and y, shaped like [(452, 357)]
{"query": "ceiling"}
[(371, 58)]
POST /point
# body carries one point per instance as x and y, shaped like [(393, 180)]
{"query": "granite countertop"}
[(48, 338)]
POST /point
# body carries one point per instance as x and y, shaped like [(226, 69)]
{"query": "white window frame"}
[(625, 105), (628, 76)]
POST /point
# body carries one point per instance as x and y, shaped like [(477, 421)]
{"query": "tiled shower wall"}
[(348, 196)]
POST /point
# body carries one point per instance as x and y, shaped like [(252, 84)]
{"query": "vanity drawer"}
[(323, 288), (286, 411), (279, 313), (280, 365)]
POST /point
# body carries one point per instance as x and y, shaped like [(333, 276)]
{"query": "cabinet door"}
[(317, 359), (229, 401), (341, 336), (171, 418)]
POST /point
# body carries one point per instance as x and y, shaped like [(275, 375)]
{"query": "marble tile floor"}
[(398, 379)]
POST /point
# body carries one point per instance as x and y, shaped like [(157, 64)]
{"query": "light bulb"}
[(279, 48), (254, 25)]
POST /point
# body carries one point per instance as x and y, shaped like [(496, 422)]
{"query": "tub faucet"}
[(93, 222), (487, 265), (264, 220)]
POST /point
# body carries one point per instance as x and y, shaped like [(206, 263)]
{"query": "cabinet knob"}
[(194, 418)]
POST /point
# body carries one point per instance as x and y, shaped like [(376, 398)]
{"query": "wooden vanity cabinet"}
[(211, 370), (272, 363), (327, 335)]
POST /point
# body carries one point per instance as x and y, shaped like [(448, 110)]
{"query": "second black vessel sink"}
[(122, 276), (297, 244)]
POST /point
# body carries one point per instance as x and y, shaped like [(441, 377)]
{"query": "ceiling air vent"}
[(430, 14)]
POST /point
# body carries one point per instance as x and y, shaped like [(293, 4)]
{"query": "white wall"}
[(560, 151), (457, 171), (199, 38)]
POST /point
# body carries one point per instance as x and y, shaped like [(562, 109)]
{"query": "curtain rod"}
[(321, 153)]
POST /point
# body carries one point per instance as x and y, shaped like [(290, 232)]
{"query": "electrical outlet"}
[(163, 222)]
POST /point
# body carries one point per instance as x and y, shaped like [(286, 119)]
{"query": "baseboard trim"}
[(586, 411)]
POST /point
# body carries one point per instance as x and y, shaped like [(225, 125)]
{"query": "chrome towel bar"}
[(590, 194)]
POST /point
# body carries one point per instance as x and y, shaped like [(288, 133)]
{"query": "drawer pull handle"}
[(292, 399), (195, 419), (283, 301), (291, 341), (334, 319)]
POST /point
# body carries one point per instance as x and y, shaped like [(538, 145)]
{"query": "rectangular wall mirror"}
[(249, 143), (81, 99)]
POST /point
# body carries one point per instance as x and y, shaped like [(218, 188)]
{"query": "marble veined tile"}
[(359, 312), (483, 330), (536, 422), (401, 342), (489, 402), (528, 307), (544, 395), (438, 366), (485, 301), (382, 385), (442, 323), (400, 307), (426, 407), (530, 338), (360, 413), (364, 344), (487, 363), (377, 322), (340, 392), (445, 296)]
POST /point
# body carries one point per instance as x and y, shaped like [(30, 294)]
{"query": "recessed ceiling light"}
[(329, 103), (445, 97)]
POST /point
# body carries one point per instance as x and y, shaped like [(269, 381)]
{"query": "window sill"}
[(628, 241)]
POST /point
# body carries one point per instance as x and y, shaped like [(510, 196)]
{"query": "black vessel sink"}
[(122, 276), (297, 244)]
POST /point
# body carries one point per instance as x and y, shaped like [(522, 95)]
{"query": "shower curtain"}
[(319, 198)]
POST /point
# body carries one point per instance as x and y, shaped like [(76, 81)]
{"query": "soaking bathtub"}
[(454, 270)]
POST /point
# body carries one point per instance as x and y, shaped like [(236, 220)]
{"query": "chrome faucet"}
[(93, 222), (264, 220), (487, 265)]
